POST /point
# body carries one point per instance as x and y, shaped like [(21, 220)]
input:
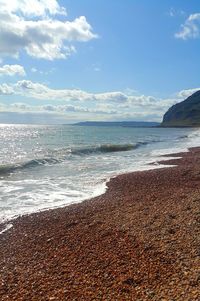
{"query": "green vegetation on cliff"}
[(185, 113)]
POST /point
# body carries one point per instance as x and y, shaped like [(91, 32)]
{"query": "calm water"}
[(51, 166)]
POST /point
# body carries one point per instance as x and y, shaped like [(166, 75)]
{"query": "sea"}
[(50, 166)]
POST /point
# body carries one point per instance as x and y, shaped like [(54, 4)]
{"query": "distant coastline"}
[(118, 123)]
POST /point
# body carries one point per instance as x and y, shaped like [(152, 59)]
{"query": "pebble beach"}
[(138, 241)]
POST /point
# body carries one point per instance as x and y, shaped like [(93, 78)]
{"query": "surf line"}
[(8, 226)]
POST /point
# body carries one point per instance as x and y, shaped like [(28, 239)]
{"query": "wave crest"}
[(106, 148), (63, 155)]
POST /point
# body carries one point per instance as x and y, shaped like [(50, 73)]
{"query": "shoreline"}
[(158, 164), (137, 241)]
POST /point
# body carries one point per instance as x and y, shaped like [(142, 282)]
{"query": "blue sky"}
[(67, 61)]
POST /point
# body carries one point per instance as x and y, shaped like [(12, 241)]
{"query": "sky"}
[(67, 61)]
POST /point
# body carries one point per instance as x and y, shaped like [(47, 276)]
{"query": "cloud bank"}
[(40, 91), (114, 105)]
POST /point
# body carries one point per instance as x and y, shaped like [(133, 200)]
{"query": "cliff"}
[(185, 113)]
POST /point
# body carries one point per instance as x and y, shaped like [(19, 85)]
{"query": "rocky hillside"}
[(185, 113)]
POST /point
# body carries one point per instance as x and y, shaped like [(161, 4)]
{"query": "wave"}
[(63, 154), (9, 168), (194, 134), (36, 162), (106, 148), (183, 137)]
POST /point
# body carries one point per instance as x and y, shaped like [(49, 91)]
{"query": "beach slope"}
[(138, 241)]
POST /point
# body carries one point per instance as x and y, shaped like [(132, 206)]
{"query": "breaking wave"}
[(107, 148), (9, 168), (63, 155)]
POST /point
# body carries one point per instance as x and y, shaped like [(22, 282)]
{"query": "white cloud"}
[(32, 7), (12, 70), (187, 93), (115, 103), (59, 109), (75, 109), (20, 107), (190, 29), (43, 36), (175, 12), (34, 70), (40, 91), (84, 105), (6, 89)]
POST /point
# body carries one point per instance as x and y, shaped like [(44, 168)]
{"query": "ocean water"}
[(56, 165)]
